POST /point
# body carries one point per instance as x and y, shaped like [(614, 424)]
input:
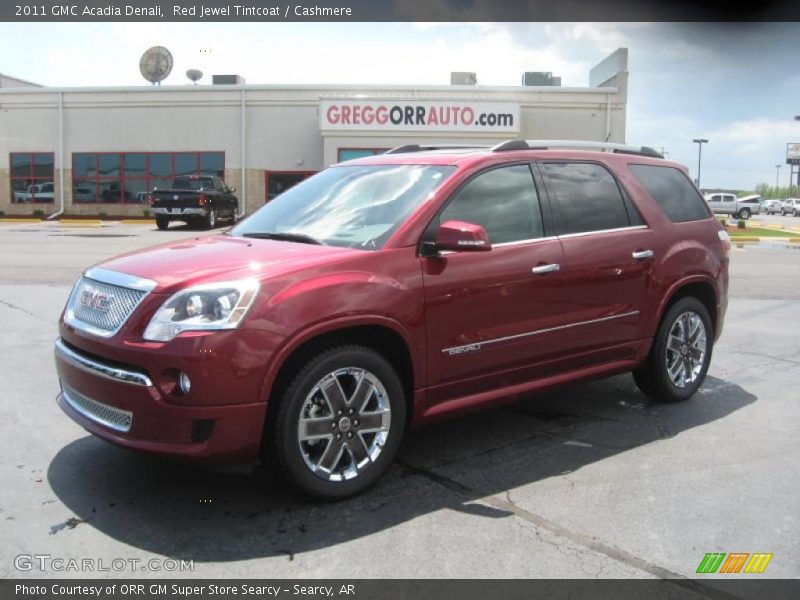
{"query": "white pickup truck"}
[(722, 203)]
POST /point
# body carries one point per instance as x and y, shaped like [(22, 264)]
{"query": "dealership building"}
[(99, 150)]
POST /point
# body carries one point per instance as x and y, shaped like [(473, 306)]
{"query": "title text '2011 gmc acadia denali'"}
[(395, 290)]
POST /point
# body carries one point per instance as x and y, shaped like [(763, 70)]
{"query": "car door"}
[(608, 257), (728, 204), (483, 309), (715, 203)]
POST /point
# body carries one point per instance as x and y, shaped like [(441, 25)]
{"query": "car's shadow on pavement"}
[(187, 512)]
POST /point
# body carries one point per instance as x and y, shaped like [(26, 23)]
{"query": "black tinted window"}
[(503, 201), (673, 192), (588, 197)]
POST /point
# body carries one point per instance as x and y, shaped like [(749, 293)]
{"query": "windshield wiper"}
[(284, 236)]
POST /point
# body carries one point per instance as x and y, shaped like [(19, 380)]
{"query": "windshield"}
[(349, 206)]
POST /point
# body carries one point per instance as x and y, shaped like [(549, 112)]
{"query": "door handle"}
[(642, 254), (542, 269)]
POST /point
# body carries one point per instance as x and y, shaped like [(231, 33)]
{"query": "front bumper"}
[(124, 406)]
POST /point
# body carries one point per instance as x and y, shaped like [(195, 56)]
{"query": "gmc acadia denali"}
[(396, 290)]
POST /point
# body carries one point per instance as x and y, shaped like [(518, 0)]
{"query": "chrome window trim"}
[(111, 278), (524, 242), (599, 231), (474, 346), (77, 406), (92, 366), (555, 237)]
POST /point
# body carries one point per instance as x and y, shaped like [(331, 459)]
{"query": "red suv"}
[(392, 291)]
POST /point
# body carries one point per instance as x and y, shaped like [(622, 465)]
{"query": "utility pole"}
[(699, 142), (777, 178)]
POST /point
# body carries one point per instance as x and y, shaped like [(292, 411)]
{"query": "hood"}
[(176, 265)]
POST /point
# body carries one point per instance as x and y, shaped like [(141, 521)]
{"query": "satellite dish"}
[(194, 74), (156, 64)]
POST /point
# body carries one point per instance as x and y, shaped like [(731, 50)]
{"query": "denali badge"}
[(96, 300), (462, 349)]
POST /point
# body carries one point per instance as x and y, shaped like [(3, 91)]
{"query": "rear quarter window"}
[(673, 192)]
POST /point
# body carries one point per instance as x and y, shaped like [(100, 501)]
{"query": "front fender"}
[(312, 307)]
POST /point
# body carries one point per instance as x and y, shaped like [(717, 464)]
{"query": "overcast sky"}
[(737, 85)]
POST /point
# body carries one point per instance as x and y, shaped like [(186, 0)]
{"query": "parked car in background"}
[(771, 207), (195, 199), (728, 204), (396, 290), (40, 192), (791, 206)]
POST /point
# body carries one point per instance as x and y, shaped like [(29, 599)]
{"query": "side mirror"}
[(460, 236)]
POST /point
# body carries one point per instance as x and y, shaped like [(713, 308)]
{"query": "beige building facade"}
[(98, 151)]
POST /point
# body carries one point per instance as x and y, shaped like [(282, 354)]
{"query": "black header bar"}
[(394, 10)]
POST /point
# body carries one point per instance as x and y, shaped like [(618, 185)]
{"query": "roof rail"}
[(422, 148), (576, 145)]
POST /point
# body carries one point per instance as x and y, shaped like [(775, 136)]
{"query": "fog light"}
[(184, 382)]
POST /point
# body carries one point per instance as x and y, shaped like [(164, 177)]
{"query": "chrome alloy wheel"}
[(344, 423), (686, 349)]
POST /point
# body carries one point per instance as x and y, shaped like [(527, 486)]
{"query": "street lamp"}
[(777, 178), (699, 143)]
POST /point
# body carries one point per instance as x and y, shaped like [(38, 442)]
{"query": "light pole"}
[(699, 142), (777, 178)]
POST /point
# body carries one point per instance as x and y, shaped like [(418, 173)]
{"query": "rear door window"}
[(673, 192), (587, 196)]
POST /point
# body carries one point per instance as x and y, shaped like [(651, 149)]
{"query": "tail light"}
[(202, 200)]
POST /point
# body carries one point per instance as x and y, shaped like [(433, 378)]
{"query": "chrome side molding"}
[(475, 346)]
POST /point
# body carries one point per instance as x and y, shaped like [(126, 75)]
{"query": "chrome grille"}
[(114, 418), (103, 305)]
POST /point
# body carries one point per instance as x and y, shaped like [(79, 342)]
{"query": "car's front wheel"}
[(680, 354), (340, 422)]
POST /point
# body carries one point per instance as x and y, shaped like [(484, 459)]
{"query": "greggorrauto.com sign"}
[(419, 115)]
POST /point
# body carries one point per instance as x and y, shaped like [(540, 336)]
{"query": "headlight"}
[(203, 307)]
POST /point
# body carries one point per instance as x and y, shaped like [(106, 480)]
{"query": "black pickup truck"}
[(195, 199)]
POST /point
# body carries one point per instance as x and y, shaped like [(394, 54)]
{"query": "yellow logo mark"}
[(758, 562)]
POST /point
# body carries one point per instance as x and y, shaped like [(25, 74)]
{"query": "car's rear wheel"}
[(340, 422), (162, 222), (744, 213), (680, 355), (210, 221)]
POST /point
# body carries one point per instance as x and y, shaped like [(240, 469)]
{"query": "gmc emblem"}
[(96, 300)]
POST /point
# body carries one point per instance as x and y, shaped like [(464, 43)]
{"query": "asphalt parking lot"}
[(590, 481)]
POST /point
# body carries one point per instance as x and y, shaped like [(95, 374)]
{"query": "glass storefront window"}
[(32, 177), (353, 153), (212, 163), (114, 177)]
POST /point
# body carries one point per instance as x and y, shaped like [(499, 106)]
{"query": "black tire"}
[(285, 427), (162, 222), (210, 220), (653, 378), (744, 214)]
